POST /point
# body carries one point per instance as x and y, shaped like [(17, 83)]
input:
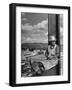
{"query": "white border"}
[(64, 77)]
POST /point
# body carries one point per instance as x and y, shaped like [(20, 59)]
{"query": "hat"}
[(52, 38)]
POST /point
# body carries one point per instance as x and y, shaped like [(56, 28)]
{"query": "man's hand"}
[(51, 57)]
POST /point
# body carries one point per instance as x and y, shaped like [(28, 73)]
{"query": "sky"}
[(34, 27)]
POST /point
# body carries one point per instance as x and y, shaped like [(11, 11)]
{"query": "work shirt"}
[(52, 52)]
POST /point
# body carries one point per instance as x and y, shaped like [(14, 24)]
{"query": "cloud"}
[(46, 34), (24, 19), (43, 25), (45, 40), (27, 26), (35, 33), (28, 39)]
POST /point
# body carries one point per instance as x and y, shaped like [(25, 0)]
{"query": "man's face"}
[(53, 43)]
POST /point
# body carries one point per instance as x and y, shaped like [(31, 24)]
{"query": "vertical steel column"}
[(52, 24)]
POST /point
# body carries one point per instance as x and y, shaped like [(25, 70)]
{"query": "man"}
[(53, 49)]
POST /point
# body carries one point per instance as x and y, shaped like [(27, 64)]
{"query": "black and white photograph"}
[(39, 44)]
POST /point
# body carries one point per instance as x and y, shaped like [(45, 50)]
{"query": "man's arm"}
[(46, 53), (57, 51)]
